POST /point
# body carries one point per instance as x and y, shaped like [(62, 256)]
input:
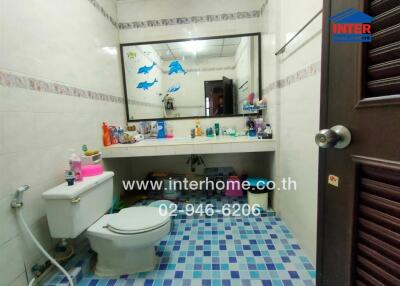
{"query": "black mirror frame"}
[(258, 35)]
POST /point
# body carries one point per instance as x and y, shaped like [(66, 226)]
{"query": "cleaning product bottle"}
[(106, 135), (75, 165), (198, 130)]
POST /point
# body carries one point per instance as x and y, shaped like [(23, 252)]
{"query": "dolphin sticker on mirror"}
[(174, 88), (146, 85), (175, 67), (146, 69)]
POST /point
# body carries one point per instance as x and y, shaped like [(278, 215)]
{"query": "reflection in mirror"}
[(192, 78)]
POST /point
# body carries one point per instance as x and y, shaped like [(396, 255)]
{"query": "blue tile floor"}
[(215, 251)]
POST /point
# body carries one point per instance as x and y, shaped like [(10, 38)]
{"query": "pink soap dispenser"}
[(75, 165)]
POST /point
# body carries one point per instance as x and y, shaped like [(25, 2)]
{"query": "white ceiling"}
[(198, 49)]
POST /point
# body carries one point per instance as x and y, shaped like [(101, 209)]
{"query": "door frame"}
[(326, 34)]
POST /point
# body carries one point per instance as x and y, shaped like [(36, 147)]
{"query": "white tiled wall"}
[(65, 42), (294, 110)]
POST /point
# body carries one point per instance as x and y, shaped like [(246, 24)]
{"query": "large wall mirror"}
[(203, 77)]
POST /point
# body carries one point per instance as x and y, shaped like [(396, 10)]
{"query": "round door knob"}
[(326, 138), (338, 137)]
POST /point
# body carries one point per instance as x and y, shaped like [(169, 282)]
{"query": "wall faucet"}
[(17, 201)]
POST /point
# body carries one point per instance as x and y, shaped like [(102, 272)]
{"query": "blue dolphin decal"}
[(145, 69), (174, 88), (175, 67), (146, 85)]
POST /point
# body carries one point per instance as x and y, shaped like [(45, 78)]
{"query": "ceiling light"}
[(193, 46)]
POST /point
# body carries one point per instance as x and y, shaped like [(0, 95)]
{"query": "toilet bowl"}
[(124, 242)]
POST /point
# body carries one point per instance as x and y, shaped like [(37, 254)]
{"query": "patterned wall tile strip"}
[(190, 20), (191, 70), (262, 10), (144, 104), (17, 81), (180, 20), (190, 106), (29, 83), (160, 105), (300, 75), (96, 5)]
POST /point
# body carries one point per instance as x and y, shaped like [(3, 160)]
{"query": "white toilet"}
[(124, 242)]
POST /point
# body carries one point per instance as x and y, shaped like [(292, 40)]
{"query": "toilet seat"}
[(127, 253), (135, 220)]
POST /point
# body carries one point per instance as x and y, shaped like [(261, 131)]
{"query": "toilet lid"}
[(136, 220)]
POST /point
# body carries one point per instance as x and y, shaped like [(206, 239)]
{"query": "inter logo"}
[(352, 26)]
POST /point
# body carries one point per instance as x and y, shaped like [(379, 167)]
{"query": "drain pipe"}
[(17, 204)]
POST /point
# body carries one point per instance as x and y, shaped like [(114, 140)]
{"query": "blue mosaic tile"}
[(215, 251)]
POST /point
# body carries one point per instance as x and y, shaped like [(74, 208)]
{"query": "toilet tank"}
[(72, 209)]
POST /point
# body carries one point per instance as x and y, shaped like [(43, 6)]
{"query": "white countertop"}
[(187, 146)]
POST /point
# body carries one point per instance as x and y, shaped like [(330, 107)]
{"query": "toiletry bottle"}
[(114, 134), (121, 135), (217, 129), (161, 129), (69, 177), (75, 165), (106, 135), (210, 132), (199, 132), (268, 131)]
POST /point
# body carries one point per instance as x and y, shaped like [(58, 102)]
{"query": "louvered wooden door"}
[(359, 221)]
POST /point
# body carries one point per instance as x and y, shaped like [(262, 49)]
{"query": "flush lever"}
[(338, 137), (76, 200)]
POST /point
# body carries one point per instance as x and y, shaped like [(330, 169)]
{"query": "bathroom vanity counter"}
[(188, 146)]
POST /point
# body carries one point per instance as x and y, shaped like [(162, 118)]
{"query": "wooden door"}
[(359, 219), (228, 95)]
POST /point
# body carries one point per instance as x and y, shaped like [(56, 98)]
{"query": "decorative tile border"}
[(29, 83), (96, 5), (264, 5), (300, 75), (189, 106), (190, 20), (154, 105), (144, 104), (211, 69), (203, 69), (180, 20)]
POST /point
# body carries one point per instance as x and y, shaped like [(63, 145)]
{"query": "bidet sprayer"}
[(17, 201)]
